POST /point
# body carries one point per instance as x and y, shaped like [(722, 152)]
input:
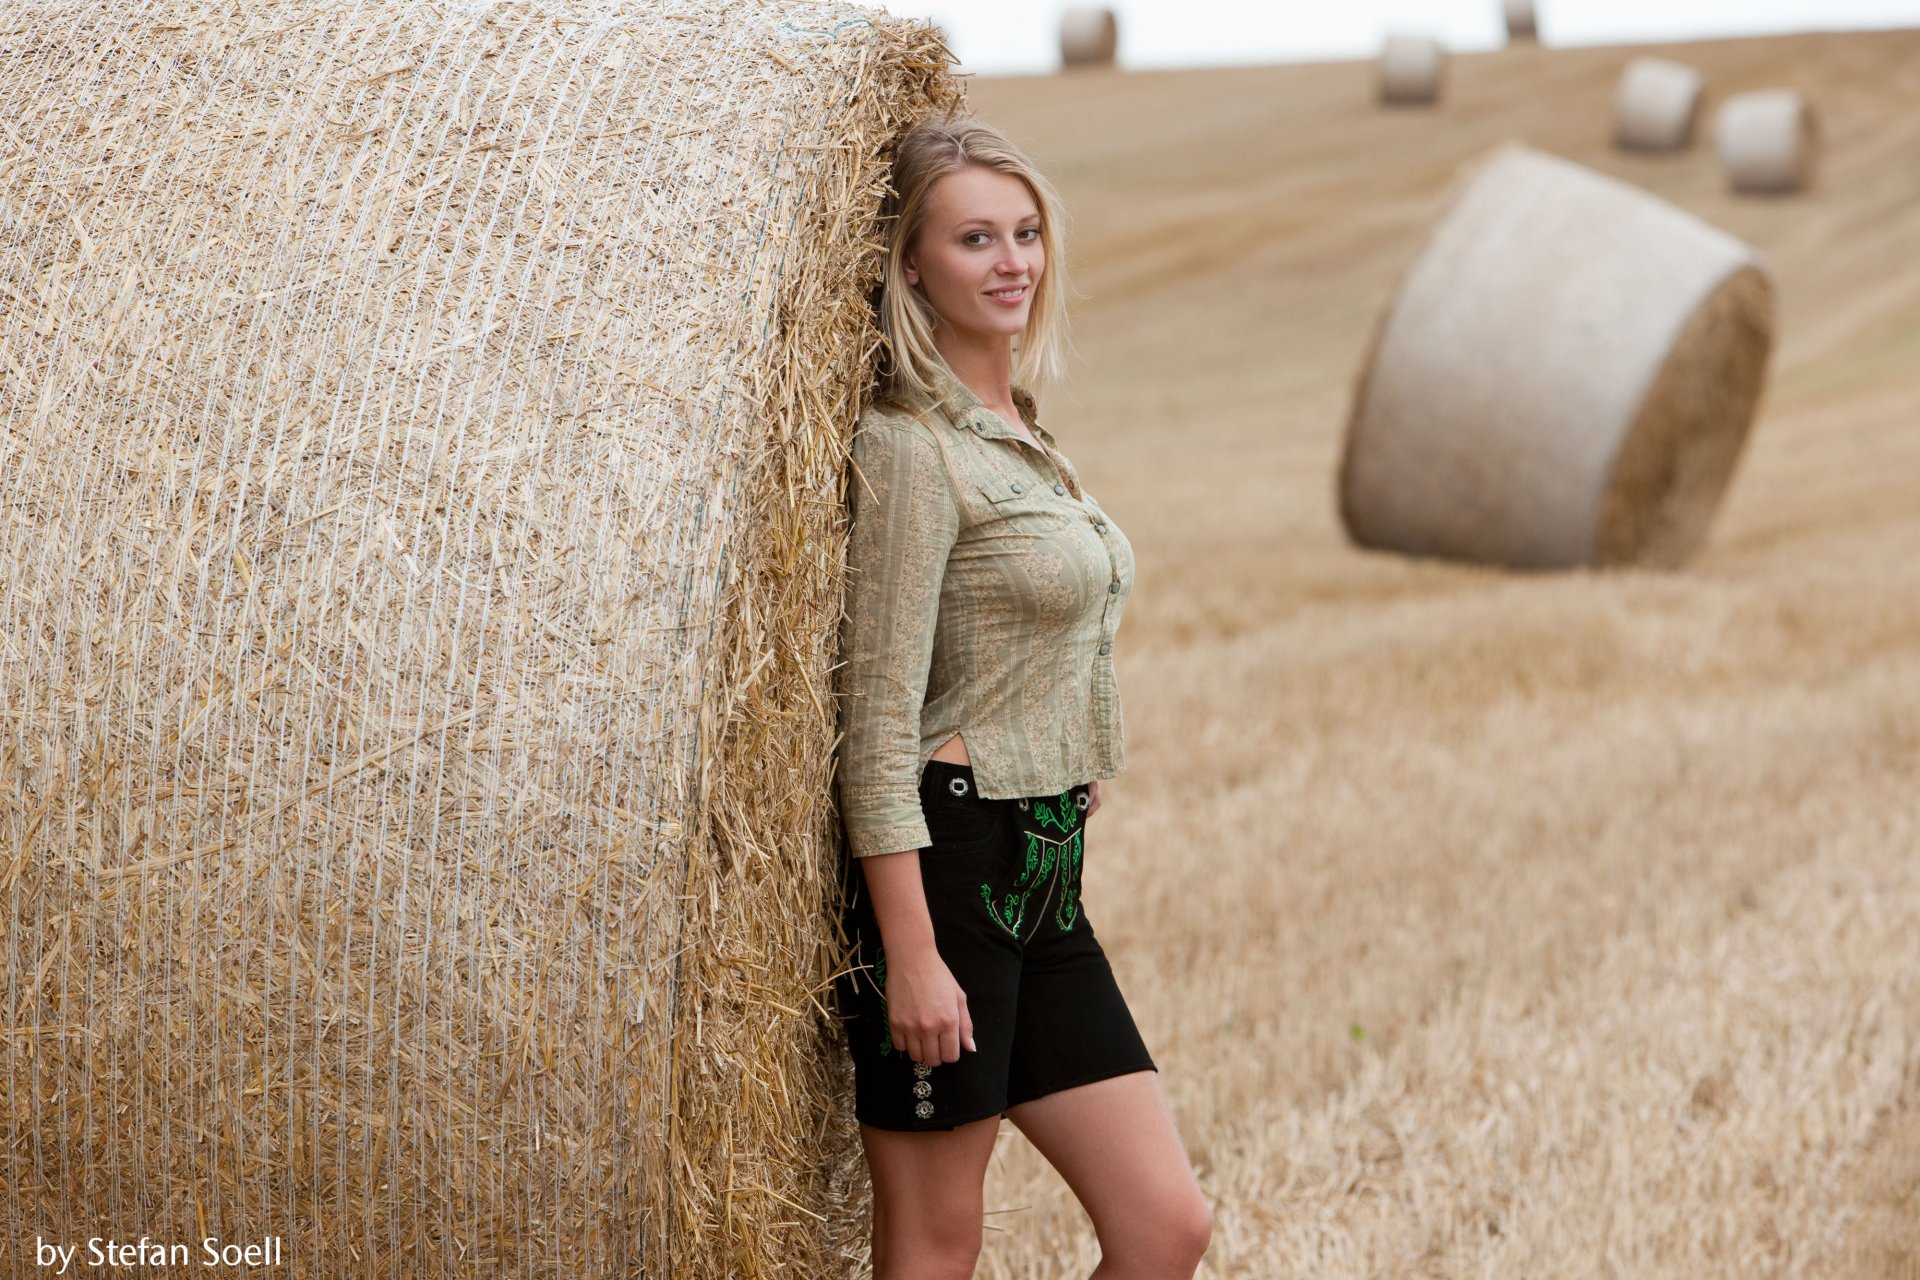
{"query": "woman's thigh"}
[(929, 1182), (1115, 1144)]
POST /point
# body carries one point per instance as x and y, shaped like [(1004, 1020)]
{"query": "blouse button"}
[(1060, 488), (1099, 526), (1113, 588), (1016, 486), (1106, 648)]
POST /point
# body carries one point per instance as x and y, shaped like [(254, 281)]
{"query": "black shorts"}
[(1002, 881)]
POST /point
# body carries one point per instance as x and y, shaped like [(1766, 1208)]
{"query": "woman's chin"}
[(1005, 324)]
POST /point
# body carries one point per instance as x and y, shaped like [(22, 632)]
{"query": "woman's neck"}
[(985, 367)]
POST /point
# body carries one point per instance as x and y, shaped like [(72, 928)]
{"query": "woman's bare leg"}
[(928, 1209), (1115, 1143)]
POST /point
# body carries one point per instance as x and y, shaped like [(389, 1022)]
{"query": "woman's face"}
[(978, 255)]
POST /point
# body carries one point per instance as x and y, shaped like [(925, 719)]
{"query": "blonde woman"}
[(980, 712)]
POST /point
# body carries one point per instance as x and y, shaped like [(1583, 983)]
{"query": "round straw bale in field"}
[(1565, 378), (1657, 105), (1767, 141), (1089, 37), (421, 449), (1411, 69), (1522, 23)]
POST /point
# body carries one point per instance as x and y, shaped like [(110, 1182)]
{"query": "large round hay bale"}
[(1767, 141), (1522, 22), (1656, 106), (1565, 378), (1411, 69), (1089, 37), (421, 537)]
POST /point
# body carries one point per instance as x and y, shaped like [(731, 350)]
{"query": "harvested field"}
[(1487, 924)]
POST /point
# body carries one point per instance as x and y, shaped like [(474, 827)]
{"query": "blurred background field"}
[(1482, 923)]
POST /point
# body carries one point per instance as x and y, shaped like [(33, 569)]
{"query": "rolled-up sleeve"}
[(904, 523)]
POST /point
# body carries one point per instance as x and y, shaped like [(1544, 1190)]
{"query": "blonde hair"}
[(926, 153)]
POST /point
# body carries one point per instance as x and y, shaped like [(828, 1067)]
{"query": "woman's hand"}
[(1093, 798), (926, 1009)]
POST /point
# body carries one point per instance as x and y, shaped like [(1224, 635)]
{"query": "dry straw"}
[(1767, 141), (1089, 37), (1657, 105), (421, 437), (1565, 378), (1411, 69), (1522, 22)]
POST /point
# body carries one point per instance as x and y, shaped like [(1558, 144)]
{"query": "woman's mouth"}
[(1008, 297)]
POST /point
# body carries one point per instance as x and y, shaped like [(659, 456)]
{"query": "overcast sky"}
[(1007, 36)]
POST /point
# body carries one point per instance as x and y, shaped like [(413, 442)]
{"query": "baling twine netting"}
[(421, 431)]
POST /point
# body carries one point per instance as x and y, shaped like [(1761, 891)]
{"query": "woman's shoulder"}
[(894, 424), (895, 440)]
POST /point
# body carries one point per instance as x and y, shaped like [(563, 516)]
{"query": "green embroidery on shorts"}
[(1072, 853), (1009, 908), (1059, 813), (1049, 864)]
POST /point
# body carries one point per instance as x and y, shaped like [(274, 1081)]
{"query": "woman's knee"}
[(927, 1250), (1192, 1229), (1169, 1240)]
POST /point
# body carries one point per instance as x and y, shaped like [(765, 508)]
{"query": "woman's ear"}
[(907, 269)]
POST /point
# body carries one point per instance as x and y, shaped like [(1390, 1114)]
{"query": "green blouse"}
[(984, 588)]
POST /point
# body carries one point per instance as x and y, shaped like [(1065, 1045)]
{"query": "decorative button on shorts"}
[(1002, 880)]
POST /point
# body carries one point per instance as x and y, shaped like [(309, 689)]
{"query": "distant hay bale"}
[(1089, 37), (1411, 69), (421, 524), (1657, 105), (1565, 378), (1767, 141), (1522, 23)]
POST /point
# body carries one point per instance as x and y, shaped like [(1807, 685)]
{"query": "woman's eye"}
[(1030, 232)]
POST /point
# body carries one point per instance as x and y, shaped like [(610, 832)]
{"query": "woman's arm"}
[(905, 522)]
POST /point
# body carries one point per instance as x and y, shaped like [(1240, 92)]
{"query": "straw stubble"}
[(1482, 925)]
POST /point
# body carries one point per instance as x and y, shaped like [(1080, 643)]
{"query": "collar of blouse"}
[(967, 412)]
